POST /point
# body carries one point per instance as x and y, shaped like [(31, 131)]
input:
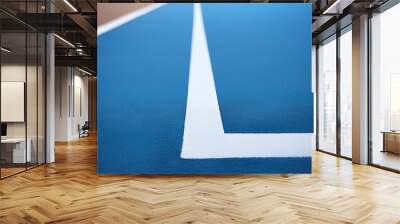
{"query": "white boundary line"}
[(204, 135), (127, 18)]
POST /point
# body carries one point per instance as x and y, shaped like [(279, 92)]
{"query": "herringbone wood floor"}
[(70, 191)]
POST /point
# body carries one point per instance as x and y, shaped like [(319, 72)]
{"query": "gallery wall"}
[(201, 88), (71, 102)]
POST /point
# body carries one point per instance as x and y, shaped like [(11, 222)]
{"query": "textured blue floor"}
[(261, 66), (143, 69)]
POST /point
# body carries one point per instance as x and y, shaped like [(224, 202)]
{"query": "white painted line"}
[(204, 136)]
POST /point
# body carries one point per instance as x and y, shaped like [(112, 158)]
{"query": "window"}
[(385, 89), (22, 88), (346, 92), (327, 95)]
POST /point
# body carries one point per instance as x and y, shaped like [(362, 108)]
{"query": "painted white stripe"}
[(127, 18), (204, 135)]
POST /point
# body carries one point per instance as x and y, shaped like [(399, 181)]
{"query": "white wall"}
[(62, 83), (79, 117), (33, 127), (70, 83), (12, 73)]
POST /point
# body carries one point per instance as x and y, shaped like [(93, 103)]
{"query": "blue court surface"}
[(143, 75)]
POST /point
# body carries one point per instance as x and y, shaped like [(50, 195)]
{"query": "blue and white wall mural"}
[(205, 88)]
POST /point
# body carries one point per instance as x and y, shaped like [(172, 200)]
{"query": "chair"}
[(84, 130)]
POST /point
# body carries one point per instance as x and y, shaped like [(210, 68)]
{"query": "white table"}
[(19, 153)]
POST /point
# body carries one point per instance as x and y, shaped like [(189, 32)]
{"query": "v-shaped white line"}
[(204, 135)]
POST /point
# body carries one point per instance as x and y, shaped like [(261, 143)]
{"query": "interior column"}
[(360, 90)]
